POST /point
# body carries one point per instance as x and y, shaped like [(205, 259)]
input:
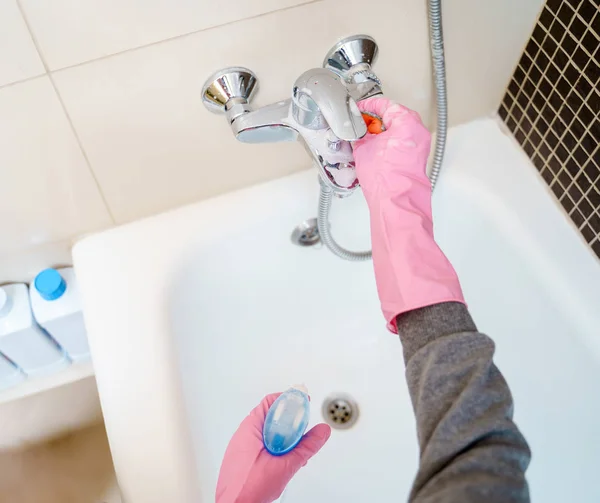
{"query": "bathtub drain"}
[(307, 233), (340, 411)]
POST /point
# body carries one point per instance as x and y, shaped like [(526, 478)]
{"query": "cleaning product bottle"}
[(57, 308), (21, 339), (9, 374), (286, 421)]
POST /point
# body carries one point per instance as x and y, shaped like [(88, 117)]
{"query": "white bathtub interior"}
[(196, 314)]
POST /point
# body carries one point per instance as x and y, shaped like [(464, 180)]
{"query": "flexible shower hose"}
[(439, 77)]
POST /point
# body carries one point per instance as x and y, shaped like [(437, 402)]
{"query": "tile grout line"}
[(183, 35), (83, 151), (22, 81), (47, 69), (33, 37), (66, 112)]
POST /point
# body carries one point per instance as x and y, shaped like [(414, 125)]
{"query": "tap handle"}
[(320, 100)]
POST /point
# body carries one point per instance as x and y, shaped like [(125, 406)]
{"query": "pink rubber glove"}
[(410, 269), (249, 474)]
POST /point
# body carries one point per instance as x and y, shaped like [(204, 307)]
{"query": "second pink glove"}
[(249, 474), (411, 271)]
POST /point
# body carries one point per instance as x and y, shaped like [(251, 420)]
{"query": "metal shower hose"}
[(439, 75)]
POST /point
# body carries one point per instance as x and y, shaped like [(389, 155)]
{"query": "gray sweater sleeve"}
[(470, 448)]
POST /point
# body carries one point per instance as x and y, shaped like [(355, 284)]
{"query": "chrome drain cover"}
[(340, 411), (307, 233)]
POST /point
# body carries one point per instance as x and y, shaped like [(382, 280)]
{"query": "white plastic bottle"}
[(9, 374), (57, 308), (21, 339)]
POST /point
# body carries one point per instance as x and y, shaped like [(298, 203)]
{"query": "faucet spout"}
[(269, 124), (321, 100)]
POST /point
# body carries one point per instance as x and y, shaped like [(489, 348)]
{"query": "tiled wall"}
[(552, 106), (100, 113)]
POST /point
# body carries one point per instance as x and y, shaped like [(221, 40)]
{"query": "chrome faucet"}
[(320, 100), (322, 111)]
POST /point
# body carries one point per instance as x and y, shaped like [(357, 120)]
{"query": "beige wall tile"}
[(18, 58), (21, 266), (47, 192), (70, 32), (484, 41), (153, 146)]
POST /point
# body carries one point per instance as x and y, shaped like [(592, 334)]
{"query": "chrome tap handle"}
[(320, 100)]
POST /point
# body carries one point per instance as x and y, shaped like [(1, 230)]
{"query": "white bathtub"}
[(195, 314)]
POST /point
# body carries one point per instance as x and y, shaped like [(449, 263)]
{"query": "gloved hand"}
[(410, 269), (249, 474)]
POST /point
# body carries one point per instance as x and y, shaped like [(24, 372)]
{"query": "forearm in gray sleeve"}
[(470, 448)]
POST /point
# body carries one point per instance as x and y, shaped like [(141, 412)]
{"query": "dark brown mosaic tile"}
[(588, 233), (549, 46), (575, 193), (584, 184), (552, 72), (558, 30), (538, 161), (529, 148), (568, 205), (557, 189), (577, 28), (544, 150), (565, 13), (554, 5), (593, 173), (585, 207), (590, 42), (567, 115), (525, 62), (587, 10), (594, 196), (539, 34), (594, 222), (552, 107), (578, 218), (546, 18)]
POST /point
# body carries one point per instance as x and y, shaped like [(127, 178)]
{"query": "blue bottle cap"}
[(50, 284)]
